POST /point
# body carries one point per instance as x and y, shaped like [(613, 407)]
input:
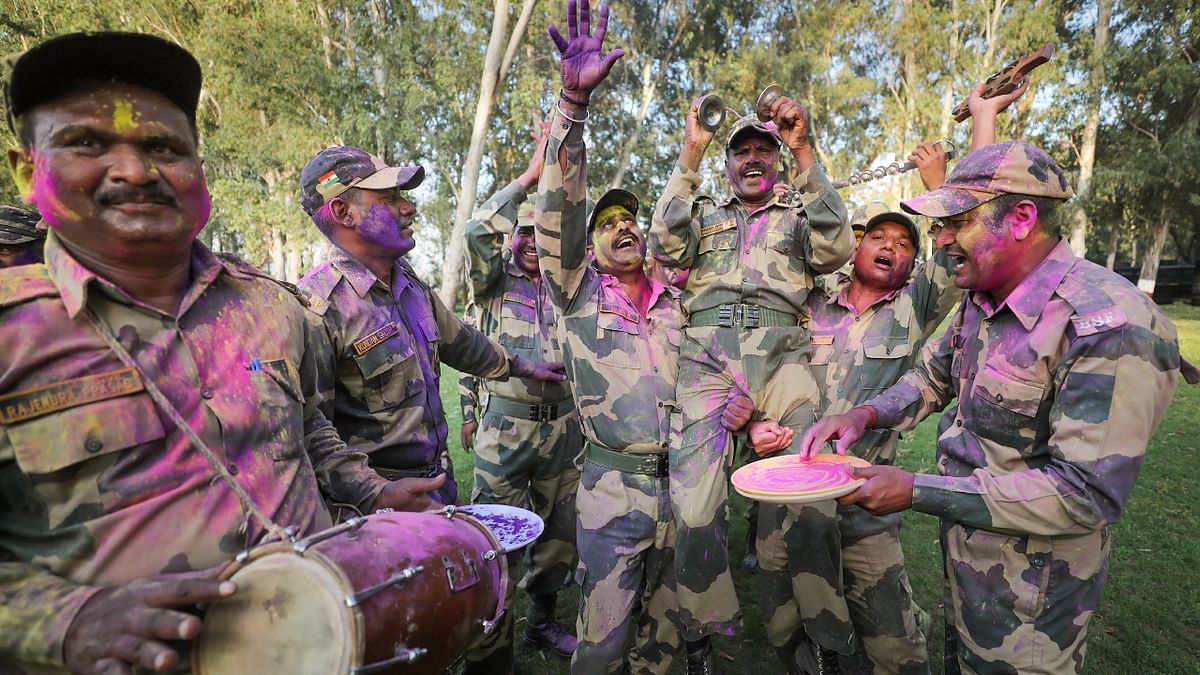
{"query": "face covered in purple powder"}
[(384, 218)]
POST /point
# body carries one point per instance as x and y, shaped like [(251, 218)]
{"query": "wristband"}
[(563, 95)]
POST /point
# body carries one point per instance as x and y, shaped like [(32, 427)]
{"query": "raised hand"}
[(930, 159), (584, 63), (540, 135), (129, 626), (984, 112), (695, 137)]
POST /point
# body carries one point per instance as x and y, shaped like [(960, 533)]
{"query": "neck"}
[(158, 278), (862, 295), (377, 259), (1023, 266), (637, 286)]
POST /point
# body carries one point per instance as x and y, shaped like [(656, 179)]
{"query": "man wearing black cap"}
[(386, 332), (753, 258), (107, 494), (20, 239)]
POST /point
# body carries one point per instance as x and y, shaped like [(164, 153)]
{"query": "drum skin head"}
[(288, 616)]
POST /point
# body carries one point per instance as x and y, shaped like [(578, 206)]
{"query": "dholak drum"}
[(388, 593)]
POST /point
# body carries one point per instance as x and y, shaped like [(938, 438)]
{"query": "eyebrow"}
[(70, 130)]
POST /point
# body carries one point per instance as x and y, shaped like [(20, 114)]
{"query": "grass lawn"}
[(1149, 618)]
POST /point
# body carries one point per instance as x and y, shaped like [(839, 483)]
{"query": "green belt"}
[(539, 412), (742, 316), (428, 471), (649, 464)]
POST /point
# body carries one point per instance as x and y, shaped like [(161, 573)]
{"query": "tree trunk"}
[(277, 264), (951, 70), (1149, 273), (292, 263), (1114, 239), (1087, 153), (452, 272)]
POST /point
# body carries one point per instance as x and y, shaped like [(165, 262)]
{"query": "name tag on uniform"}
[(26, 405), (390, 329), (519, 299), (822, 340), (718, 227)]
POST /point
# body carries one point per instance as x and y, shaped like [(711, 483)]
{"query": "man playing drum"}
[(110, 519)]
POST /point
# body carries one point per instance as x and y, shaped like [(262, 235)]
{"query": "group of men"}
[(600, 395)]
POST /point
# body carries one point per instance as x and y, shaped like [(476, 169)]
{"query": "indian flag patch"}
[(327, 181)]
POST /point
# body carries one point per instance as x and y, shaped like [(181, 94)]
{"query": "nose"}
[(407, 208), (944, 237), (128, 164)]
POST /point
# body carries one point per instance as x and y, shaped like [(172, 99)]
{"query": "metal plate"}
[(514, 527), (788, 480)]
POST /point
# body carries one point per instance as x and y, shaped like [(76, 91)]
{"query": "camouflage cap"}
[(19, 226), (1011, 167), (51, 69), (524, 215), (876, 213), (339, 168), (750, 125), (614, 197)]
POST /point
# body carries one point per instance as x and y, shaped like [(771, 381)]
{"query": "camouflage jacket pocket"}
[(281, 403), (63, 439), (1003, 408), (383, 381), (716, 253), (785, 258), (616, 337), (823, 349), (518, 322)]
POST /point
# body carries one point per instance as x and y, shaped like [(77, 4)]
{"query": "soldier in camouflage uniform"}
[(104, 502), (867, 330), (752, 260), (621, 333), (21, 240), (1062, 371), (527, 444), (386, 331)]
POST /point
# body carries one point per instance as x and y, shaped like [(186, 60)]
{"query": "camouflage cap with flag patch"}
[(525, 215), (339, 168), (1008, 168), (19, 226), (750, 125)]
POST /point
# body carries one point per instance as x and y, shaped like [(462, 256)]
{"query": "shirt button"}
[(660, 404), (999, 397), (93, 445), (856, 319), (958, 423), (655, 369), (233, 470), (206, 393)]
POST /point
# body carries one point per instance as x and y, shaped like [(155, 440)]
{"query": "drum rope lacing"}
[(160, 399)]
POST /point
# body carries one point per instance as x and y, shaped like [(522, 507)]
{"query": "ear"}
[(20, 162), (340, 210), (1022, 219)]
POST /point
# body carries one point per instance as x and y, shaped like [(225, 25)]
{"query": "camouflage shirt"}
[(623, 366), (766, 258), (1059, 389), (511, 308), (856, 356), (380, 383), (97, 486)]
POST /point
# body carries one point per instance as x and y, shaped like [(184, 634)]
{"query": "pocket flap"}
[(614, 317), (886, 347), (1004, 390), (59, 440), (380, 360)]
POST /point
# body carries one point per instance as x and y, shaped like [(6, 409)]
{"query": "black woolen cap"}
[(53, 68)]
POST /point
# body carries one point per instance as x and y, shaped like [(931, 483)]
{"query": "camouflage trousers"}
[(1020, 604), (769, 364), (531, 464), (626, 550)]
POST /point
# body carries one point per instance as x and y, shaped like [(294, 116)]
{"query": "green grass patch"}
[(1148, 620)]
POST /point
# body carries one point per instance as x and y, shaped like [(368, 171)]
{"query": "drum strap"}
[(160, 399)]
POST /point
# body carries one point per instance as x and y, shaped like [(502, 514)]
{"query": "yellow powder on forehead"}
[(123, 121), (609, 212)]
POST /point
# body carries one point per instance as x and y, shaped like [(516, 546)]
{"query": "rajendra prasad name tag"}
[(51, 398), (789, 480)]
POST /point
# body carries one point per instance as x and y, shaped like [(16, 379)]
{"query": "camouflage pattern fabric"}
[(97, 486), (379, 375), (622, 367), (1059, 389), (767, 258), (521, 462)]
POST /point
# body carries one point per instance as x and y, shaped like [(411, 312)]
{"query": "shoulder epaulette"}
[(246, 268), (1088, 289), (24, 283)]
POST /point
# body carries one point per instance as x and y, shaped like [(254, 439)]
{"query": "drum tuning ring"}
[(488, 627), (490, 555), (449, 511)]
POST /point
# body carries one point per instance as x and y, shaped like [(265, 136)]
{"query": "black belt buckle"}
[(751, 317), (725, 317), (544, 412), (432, 470), (656, 465)]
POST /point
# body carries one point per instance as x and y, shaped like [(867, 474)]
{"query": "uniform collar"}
[(657, 289), (74, 281), (361, 278), (1029, 298)]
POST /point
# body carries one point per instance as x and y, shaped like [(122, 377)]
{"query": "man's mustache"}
[(155, 193)]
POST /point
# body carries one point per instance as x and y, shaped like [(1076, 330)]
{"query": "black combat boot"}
[(542, 631), (701, 660)]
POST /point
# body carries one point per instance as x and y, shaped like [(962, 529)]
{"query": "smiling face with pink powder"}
[(751, 165), (112, 167)]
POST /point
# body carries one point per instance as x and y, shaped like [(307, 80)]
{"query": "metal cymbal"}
[(765, 100)]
